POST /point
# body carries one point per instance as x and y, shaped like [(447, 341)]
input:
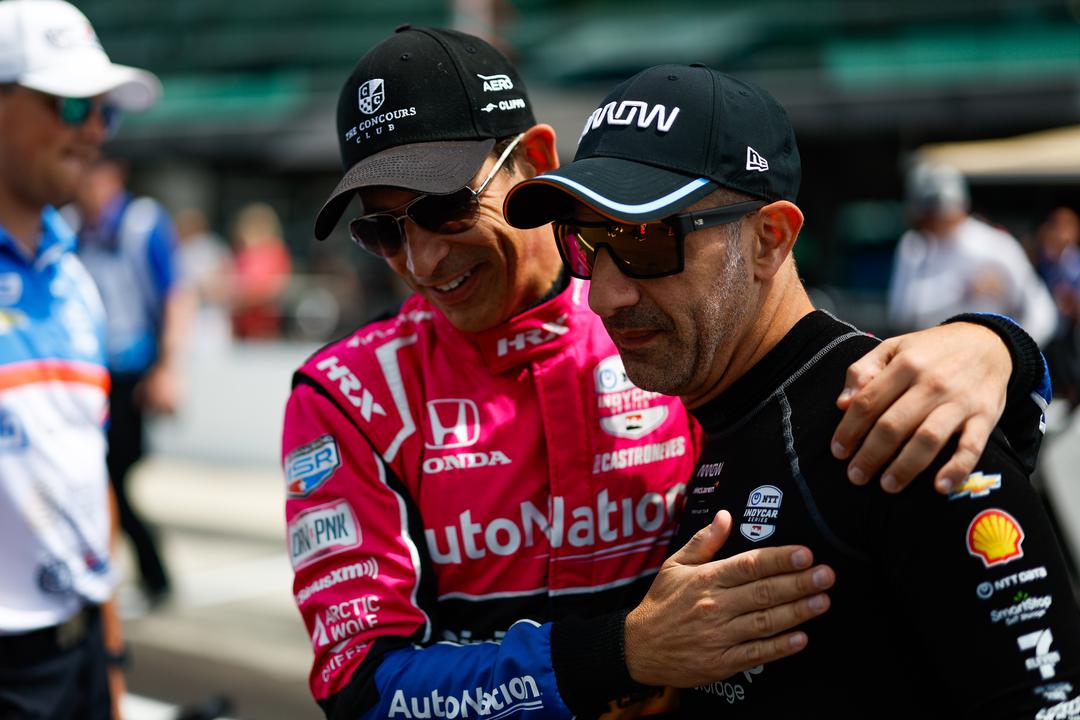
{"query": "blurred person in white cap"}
[(950, 262), (60, 641)]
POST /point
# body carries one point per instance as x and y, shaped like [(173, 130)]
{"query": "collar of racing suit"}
[(534, 335)]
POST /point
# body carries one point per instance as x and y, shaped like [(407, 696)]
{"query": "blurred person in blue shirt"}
[(129, 246), (60, 639)]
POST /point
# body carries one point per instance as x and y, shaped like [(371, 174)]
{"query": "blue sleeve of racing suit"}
[(508, 679)]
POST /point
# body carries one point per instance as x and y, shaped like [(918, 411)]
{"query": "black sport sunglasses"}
[(381, 233)]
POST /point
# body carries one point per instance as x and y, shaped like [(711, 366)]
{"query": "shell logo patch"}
[(762, 510), (995, 537)]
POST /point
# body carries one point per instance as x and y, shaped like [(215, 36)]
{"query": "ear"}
[(778, 225), (537, 147)]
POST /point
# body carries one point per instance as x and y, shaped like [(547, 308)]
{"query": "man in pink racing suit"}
[(474, 486)]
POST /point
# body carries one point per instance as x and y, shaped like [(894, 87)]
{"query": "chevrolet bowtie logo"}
[(977, 485)]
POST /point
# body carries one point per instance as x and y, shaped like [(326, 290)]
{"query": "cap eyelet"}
[(405, 56), (470, 49)]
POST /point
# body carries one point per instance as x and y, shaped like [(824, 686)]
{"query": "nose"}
[(610, 290), (424, 250)]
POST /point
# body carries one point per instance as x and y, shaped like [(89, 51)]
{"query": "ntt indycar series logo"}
[(762, 510), (615, 391), (518, 695)]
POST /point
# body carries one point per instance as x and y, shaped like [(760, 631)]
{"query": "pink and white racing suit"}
[(473, 489)]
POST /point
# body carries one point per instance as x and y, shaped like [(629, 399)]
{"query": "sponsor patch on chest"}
[(761, 512), (636, 423)]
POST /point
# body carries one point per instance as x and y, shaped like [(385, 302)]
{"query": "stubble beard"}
[(684, 357)]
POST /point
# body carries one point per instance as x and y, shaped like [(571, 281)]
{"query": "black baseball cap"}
[(663, 140), (421, 111)]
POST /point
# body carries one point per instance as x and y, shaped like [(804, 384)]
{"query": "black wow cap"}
[(663, 140), (421, 111)]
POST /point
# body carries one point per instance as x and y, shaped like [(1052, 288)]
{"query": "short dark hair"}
[(725, 196), (510, 165)]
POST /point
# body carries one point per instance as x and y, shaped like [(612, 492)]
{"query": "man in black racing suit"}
[(943, 606)]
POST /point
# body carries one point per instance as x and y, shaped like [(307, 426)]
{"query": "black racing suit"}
[(943, 606)]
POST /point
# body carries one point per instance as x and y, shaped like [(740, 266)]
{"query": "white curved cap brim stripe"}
[(624, 190), (620, 208)]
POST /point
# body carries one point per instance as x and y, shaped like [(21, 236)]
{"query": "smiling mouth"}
[(455, 283)]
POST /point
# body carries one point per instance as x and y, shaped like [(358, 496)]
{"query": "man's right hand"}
[(704, 620)]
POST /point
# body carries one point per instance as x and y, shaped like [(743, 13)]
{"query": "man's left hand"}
[(914, 392)]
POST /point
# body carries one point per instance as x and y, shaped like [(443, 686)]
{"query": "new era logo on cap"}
[(754, 161)]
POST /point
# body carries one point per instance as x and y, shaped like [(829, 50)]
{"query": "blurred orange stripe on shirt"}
[(41, 371)]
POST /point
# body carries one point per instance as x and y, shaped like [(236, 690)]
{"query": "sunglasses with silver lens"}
[(644, 250), (381, 233)]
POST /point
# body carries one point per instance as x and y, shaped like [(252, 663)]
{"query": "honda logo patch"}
[(455, 422)]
